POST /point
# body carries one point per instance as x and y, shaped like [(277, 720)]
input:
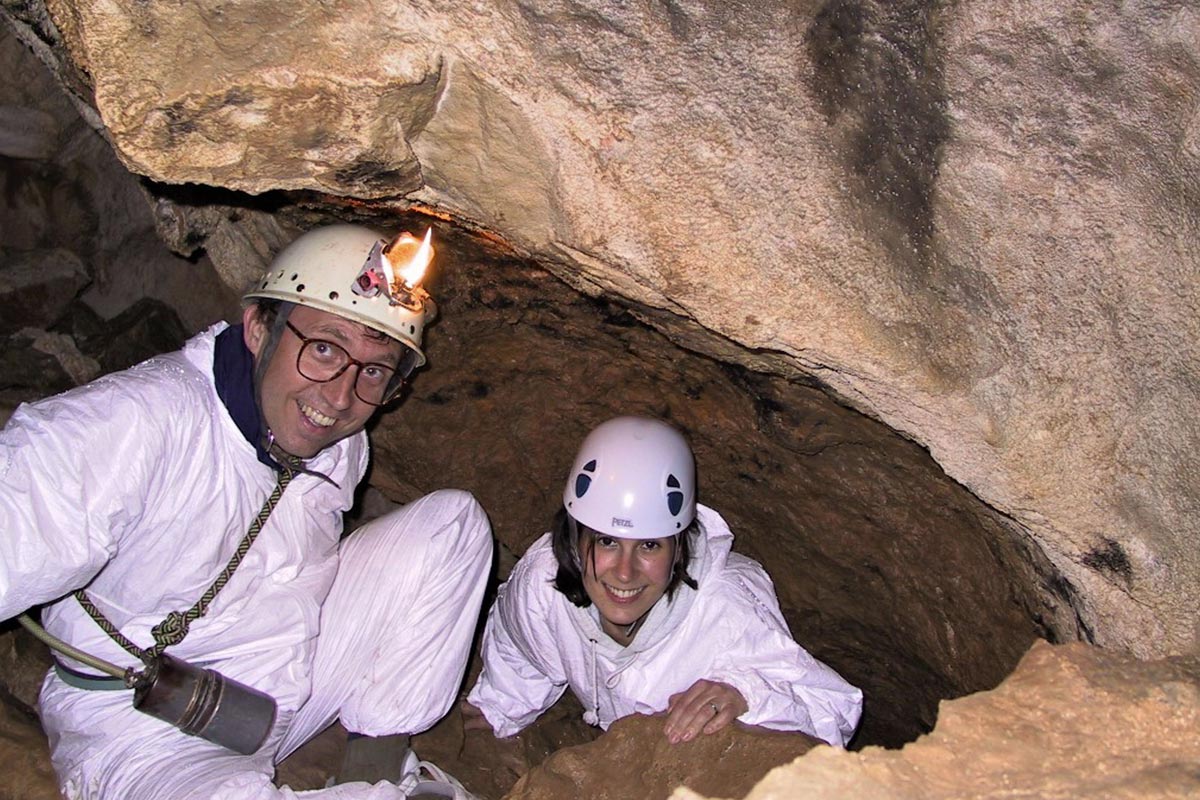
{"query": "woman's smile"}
[(624, 578)]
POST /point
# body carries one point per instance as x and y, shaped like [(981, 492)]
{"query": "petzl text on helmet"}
[(396, 269)]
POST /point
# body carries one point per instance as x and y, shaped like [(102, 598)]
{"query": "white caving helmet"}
[(325, 269), (633, 478)]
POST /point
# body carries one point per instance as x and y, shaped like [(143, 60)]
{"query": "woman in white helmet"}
[(635, 601)]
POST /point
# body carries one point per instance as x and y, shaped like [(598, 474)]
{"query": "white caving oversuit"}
[(537, 642), (140, 486)]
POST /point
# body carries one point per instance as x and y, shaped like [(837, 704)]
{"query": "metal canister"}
[(203, 702)]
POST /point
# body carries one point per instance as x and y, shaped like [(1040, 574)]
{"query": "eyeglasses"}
[(322, 361)]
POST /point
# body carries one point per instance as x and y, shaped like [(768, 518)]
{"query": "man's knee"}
[(458, 509), (447, 519), (458, 502)]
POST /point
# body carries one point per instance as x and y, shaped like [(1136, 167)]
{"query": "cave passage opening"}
[(886, 568)]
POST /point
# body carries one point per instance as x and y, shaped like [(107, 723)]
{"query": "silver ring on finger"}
[(715, 709)]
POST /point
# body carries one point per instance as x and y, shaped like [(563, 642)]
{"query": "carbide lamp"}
[(396, 270)]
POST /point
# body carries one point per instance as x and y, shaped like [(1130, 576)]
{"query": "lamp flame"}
[(405, 260), (388, 275)]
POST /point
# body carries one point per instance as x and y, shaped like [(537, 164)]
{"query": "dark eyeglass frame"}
[(395, 383)]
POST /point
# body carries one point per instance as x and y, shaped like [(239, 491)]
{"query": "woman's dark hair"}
[(565, 536)]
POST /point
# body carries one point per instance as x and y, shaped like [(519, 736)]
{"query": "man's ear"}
[(254, 332)]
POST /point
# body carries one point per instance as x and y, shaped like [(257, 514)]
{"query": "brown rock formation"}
[(1072, 721), (27, 774), (23, 751), (634, 759)]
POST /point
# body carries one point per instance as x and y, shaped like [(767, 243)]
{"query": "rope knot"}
[(171, 630)]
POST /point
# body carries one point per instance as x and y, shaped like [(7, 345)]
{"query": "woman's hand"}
[(473, 719), (706, 707)]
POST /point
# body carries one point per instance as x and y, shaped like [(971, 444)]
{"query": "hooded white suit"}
[(140, 486), (731, 630)]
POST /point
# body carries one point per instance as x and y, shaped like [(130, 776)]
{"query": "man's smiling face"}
[(306, 416)]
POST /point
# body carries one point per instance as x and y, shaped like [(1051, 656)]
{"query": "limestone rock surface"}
[(75, 223), (975, 221), (1072, 721)]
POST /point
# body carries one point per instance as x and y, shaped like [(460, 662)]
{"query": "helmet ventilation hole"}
[(582, 480), (300, 287), (333, 295), (295, 275), (674, 498)]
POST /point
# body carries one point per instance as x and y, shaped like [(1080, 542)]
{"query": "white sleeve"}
[(73, 477), (784, 686), (520, 679)]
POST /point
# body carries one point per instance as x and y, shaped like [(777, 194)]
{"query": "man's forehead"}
[(316, 323)]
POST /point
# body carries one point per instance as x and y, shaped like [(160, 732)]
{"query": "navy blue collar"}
[(233, 373)]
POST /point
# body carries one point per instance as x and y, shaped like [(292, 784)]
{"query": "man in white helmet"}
[(196, 502), (635, 601)]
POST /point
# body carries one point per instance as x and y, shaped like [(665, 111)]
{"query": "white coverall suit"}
[(140, 486), (537, 643)]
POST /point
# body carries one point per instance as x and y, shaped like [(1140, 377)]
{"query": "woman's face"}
[(625, 577)]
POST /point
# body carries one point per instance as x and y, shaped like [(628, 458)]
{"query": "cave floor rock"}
[(1072, 721), (634, 759)]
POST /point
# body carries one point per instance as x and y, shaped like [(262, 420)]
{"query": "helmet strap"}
[(282, 312), (260, 370)]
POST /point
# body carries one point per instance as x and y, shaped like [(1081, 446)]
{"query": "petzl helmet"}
[(633, 478), (329, 268)]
